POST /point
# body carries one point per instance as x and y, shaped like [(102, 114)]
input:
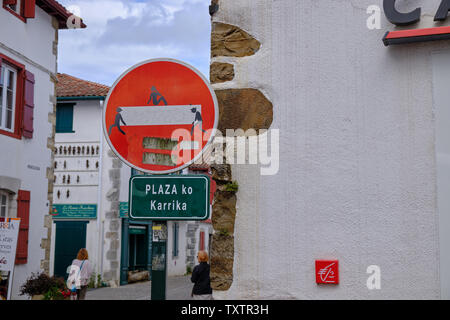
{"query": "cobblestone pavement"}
[(178, 288)]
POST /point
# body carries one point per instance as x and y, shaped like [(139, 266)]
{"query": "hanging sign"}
[(160, 115)]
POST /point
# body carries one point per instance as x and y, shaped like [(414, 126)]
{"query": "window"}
[(22, 9), (16, 99), (8, 91), (4, 199), (14, 6), (64, 118)]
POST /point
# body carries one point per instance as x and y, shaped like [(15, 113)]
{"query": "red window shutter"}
[(9, 2), (202, 240), (28, 108), (23, 212), (29, 9)]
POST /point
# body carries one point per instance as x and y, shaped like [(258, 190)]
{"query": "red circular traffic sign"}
[(160, 115)]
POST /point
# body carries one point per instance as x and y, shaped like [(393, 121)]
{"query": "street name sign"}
[(174, 197), (160, 115)]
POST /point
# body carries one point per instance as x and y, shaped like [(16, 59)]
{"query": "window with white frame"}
[(4, 198), (8, 81)]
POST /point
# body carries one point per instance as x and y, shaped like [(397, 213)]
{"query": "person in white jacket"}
[(81, 271)]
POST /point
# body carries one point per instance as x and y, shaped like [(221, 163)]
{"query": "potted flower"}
[(40, 286)]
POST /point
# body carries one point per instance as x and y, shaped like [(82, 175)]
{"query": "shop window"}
[(64, 118)]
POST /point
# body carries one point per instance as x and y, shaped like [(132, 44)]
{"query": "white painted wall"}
[(357, 178), (176, 266), (33, 40), (441, 98)]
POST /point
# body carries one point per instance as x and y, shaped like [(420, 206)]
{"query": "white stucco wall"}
[(441, 98), (357, 177), (30, 44)]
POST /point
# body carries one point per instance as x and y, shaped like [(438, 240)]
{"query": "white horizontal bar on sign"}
[(189, 145), (159, 115)]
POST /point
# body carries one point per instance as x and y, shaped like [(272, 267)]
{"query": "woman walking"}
[(85, 271), (200, 277)]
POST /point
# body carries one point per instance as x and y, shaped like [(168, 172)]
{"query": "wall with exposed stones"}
[(357, 168)]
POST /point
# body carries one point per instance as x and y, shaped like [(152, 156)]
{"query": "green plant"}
[(232, 186), (92, 283), (224, 232), (188, 269), (41, 283), (56, 294)]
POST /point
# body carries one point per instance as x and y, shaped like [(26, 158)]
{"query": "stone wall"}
[(239, 108), (48, 220), (112, 221)]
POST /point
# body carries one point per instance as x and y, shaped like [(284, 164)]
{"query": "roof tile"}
[(69, 86)]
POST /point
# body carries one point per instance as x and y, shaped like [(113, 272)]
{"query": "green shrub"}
[(232, 186)]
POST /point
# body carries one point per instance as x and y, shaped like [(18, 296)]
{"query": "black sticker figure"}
[(197, 121), (117, 122), (156, 97)]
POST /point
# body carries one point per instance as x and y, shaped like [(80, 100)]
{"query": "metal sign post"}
[(159, 117), (159, 261)]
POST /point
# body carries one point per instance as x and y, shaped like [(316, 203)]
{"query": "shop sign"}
[(327, 271), (9, 231), (123, 209), (175, 197), (408, 18), (74, 211), (404, 19)]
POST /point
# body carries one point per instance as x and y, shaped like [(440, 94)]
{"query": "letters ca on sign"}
[(406, 18)]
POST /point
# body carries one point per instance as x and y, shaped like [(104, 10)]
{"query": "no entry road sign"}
[(160, 115), (175, 197)]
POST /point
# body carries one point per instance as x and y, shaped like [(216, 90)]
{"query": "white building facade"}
[(363, 171), (28, 62)]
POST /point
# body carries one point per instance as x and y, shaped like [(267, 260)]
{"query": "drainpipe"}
[(100, 218)]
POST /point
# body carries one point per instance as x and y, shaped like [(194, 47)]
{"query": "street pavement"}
[(178, 288)]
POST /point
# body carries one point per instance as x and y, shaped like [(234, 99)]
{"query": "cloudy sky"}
[(121, 33)]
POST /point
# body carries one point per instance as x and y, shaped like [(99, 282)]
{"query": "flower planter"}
[(37, 297)]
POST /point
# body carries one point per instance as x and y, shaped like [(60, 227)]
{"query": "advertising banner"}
[(9, 232)]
